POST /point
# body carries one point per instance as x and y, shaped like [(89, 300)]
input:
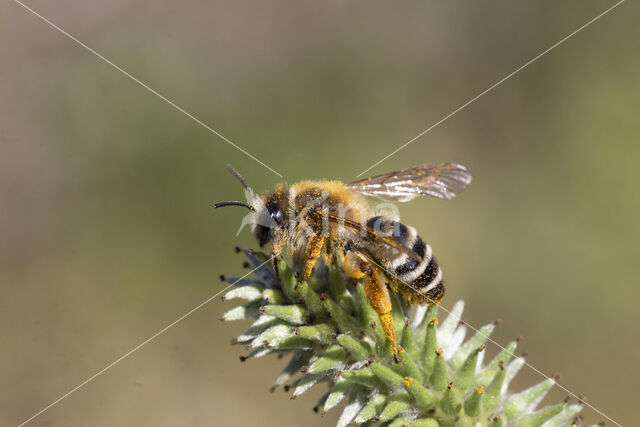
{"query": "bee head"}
[(268, 211), (269, 215)]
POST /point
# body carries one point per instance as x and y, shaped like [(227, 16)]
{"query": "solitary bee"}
[(328, 219)]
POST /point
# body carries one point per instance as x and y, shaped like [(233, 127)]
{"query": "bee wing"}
[(372, 234), (441, 180)]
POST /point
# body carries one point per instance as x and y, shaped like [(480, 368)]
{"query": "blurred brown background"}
[(107, 232)]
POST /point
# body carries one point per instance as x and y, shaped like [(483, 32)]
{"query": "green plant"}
[(333, 337)]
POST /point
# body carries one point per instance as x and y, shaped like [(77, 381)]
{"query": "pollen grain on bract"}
[(331, 220)]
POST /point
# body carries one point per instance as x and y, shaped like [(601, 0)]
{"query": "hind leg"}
[(377, 295), (276, 253), (311, 255)]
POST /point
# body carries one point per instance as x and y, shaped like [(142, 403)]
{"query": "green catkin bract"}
[(333, 337), (450, 402), (407, 341), (473, 404), (363, 376), (430, 345), (411, 367), (377, 402), (439, 376), (397, 405)]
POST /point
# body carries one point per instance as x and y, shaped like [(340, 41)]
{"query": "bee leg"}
[(379, 299), (311, 255), (352, 266), (276, 254)]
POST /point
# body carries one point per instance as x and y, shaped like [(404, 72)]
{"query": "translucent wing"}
[(441, 180), (372, 234)]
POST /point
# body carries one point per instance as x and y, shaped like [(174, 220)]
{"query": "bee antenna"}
[(232, 203), (239, 177)]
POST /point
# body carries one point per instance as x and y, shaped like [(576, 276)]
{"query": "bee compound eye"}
[(277, 215), (262, 234)]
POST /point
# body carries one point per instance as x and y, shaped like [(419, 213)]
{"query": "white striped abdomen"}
[(422, 278)]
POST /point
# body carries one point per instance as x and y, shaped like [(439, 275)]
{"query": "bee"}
[(328, 219)]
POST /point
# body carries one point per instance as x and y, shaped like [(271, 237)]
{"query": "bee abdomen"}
[(423, 277), (429, 283)]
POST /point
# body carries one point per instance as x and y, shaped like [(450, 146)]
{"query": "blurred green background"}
[(107, 232)]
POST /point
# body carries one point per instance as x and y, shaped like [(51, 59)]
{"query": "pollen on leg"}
[(389, 329), (351, 267)]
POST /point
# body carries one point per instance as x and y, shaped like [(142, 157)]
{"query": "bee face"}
[(269, 216)]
